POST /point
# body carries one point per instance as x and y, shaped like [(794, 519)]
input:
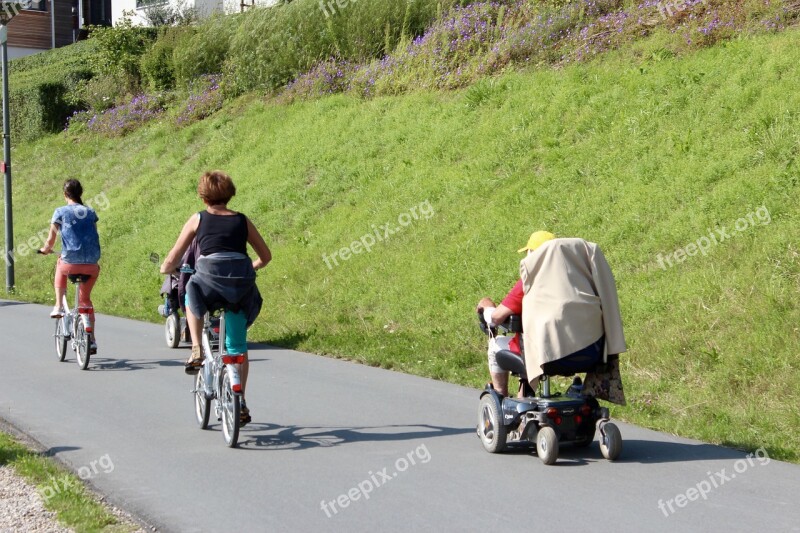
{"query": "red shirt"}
[(513, 301)]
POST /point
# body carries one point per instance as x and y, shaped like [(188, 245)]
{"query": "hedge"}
[(42, 89)]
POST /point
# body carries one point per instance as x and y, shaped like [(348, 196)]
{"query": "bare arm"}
[(173, 259), (500, 314), (259, 245), (51, 240)]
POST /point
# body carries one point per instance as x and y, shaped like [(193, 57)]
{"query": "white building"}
[(203, 8)]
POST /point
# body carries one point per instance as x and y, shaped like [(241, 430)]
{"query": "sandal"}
[(244, 415), (195, 361)]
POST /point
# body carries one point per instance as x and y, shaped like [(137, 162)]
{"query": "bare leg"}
[(244, 369), (60, 292), (196, 329), (500, 382)]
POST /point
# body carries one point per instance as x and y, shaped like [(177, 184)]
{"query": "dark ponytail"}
[(73, 190)]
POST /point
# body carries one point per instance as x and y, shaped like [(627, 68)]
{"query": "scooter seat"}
[(508, 360)]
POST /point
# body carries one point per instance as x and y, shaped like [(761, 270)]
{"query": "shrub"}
[(118, 49), (204, 49), (275, 45), (178, 13), (103, 92), (158, 64)]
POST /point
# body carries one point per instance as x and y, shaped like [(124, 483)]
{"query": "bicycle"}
[(218, 381), (74, 326)]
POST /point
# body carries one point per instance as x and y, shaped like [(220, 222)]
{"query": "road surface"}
[(337, 446)]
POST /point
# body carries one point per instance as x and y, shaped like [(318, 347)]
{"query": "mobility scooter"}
[(547, 419)]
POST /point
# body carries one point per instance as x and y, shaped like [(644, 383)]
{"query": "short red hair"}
[(216, 187)]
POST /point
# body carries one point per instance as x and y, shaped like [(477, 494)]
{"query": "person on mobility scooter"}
[(173, 290), (570, 323)]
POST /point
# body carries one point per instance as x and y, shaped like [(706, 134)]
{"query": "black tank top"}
[(221, 233)]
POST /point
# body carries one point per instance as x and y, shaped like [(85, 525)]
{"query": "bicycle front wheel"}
[(81, 345), (61, 339), (231, 411), (202, 405)]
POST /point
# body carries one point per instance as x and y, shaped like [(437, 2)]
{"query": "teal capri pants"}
[(235, 331)]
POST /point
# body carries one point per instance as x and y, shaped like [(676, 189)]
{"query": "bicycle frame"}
[(71, 330), (218, 362)]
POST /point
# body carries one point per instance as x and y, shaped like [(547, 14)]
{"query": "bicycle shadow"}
[(263, 436), (112, 365)]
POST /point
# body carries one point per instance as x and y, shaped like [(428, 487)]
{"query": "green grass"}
[(639, 151), (63, 493)]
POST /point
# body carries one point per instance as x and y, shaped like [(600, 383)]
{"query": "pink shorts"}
[(85, 291)]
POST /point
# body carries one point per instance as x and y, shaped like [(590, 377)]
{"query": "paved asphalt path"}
[(322, 428)]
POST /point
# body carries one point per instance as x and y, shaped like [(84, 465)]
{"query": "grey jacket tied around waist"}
[(224, 280)]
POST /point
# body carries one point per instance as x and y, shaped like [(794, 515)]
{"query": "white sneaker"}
[(57, 312)]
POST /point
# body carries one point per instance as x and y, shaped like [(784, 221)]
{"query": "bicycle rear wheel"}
[(231, 411), (61, 339), (202, 405), (81, 344)]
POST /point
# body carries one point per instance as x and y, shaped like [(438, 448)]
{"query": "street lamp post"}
[(8, 11)]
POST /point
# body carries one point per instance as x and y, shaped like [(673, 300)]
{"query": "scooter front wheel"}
[(491, 430), (610, 441)]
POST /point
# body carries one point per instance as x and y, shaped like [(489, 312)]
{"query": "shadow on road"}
[(635, 451), (9, 303), (653, 452), (55, 450), (106, 364), (273, 437)]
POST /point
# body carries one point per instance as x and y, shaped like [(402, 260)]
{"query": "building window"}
[(150, 3), (34, 5)]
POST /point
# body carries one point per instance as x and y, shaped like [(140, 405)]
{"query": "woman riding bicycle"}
[(80, 251), (224, 275)]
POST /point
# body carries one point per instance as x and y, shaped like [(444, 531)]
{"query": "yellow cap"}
[(537, 239)]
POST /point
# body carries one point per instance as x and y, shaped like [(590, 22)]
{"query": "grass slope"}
[(639, 152)]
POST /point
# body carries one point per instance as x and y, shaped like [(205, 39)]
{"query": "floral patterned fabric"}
[(605, 383)]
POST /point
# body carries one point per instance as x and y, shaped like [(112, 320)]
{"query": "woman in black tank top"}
[(221, 233), (218, 230)]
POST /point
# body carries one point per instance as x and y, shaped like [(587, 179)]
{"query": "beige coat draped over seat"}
[(570, 302)]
